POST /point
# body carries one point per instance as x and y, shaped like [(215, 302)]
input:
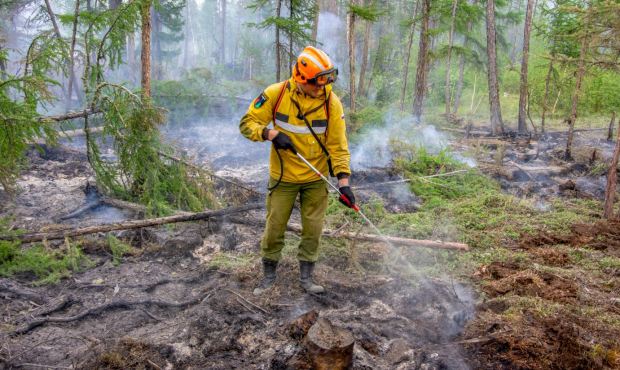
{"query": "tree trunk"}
[(459, 84), (581, 71), (521, 124), (59, 36), (610, 131), (447, 93), (113, 4), (131, 55), (408, 55), (188, 37), (360, 85), (351, 44), (278, 53), (420, 80), (157, 58), (315, 21), (223, 33), (72, 84), (2, 62), (145, 55), (290, 34), (546, 96), (497, 126), (610, 190)]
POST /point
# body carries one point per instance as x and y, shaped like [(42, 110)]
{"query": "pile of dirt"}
[(534, 341), (603, 235), (510, 278)]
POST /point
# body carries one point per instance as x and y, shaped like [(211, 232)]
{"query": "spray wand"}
[(355, 207)]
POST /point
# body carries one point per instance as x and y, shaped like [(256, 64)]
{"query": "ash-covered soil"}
[(535, 167), (183, 298), (171, 307)]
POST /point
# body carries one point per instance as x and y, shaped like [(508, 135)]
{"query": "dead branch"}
[(85, 208), (71, 115), (395, 182), (209, 173), (435, 244), (145, 287), (139, 208), (247, 301), (128, 225), (121, 303)]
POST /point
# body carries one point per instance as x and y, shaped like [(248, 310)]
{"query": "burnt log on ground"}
[(329, 347), (128, 225)]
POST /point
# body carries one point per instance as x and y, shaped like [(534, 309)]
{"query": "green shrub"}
[(118, 249)]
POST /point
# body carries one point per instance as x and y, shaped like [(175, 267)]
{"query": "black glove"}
[(347, 198), (282, 141)]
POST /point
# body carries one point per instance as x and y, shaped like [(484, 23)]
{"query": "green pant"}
[(280, 201)]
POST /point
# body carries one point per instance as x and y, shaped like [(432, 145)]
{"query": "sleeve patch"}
[(260, 100)]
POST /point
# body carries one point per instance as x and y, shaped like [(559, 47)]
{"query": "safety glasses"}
[(325, 77)]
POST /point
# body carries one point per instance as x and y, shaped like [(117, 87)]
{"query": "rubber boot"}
[(305, 278), (269, 276)]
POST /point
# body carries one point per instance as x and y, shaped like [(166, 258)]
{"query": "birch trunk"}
[(278, 54), (407, 57), (581, 71), (447, 92), (361, 89), (521, 123), (351, 44), (546, 96)]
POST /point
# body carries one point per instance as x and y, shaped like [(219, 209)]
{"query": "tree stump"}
[(329, 347)]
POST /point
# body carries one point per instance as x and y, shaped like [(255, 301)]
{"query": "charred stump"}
[(329, 347)]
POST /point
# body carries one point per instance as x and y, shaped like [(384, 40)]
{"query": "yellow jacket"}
[(331, 132)]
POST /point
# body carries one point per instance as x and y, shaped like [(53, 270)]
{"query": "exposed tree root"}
[(11, 287), (121, 303)]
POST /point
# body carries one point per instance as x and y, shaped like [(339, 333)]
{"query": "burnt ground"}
[(182, 299)]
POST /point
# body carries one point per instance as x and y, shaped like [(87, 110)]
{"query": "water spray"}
[(354, 207)]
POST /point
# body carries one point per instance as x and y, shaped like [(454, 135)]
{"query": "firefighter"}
[(307, 118)]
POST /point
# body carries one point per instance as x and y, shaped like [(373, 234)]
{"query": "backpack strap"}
[(285, 86)]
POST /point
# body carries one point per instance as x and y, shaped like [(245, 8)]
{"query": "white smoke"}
[(375, 150)]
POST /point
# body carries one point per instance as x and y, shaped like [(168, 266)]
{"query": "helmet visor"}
[(325, 77)]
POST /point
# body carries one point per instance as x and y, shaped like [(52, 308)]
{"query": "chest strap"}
[(302, 116)]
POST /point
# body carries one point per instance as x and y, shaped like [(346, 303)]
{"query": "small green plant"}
[(48, 266), (118, 249)]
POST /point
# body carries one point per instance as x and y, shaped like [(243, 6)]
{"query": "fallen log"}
[(435, 244), (127, 225)]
